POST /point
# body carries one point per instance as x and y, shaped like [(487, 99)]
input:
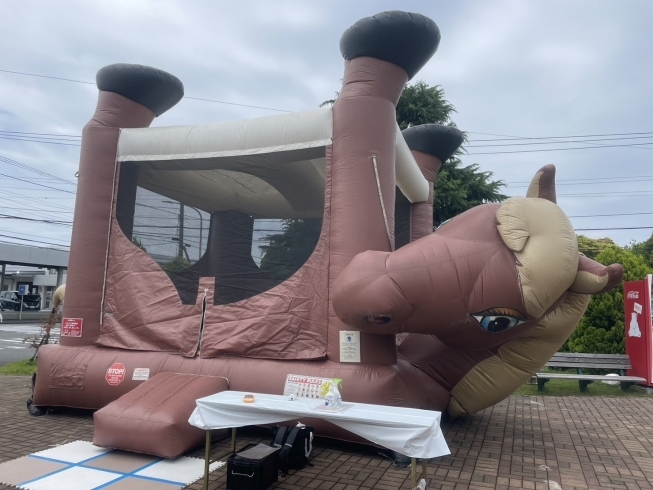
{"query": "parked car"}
[(9, 300)]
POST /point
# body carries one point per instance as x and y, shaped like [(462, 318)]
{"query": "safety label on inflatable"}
[(141, 374), (350, 346), (115, 374), (306, 386), (71, 327)]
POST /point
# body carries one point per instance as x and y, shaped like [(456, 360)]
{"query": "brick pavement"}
[(523, 442)]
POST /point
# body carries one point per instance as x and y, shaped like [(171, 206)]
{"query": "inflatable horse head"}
[(481, 279)]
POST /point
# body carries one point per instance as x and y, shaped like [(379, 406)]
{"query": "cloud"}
[(510, 67)]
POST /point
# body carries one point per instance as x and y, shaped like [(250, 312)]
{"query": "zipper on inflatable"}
[(199, 338)]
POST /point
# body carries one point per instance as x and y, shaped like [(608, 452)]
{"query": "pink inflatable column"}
[(382, 52), (131, 96), (431, 146)]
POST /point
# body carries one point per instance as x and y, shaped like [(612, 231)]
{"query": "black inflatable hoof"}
[(34, 410), (403, 38), (434, 139), (155, 89)]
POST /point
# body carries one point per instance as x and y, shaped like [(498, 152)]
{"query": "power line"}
[(558, 142), (233, 103), (34, 236), (591, 179), (36, 183), (37, 141), (509, 137), (603, 215), (54, 207), (634, 145), (35, 170), (49, 248), (33, 241), (22, 218), (46, 76), (34, 209), (186, 97), (45, 134), (589, 183), (625, 228)]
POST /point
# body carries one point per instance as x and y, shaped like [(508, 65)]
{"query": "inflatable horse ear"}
[(483, 278), (590, 277)]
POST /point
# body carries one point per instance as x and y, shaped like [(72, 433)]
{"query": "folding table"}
[(408, 431)]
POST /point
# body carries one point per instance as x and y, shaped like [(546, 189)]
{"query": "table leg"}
[(207, 459), (414, 478), (413, 472), (233, 440)]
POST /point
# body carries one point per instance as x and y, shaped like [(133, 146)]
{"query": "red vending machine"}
[(639, 328)]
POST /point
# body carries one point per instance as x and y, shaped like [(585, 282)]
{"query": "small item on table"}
[(333, 399), (248, 399), (292, 397)]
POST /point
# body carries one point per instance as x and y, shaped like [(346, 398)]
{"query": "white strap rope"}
[(385, 216)]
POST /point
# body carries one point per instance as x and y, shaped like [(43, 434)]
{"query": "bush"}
[(601, 330)]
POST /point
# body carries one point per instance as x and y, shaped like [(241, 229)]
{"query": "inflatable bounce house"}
[(318, 257)]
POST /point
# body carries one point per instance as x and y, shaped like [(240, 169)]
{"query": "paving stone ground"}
[(523, 442)]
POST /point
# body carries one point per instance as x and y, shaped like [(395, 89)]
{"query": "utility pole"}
[(181, 231)]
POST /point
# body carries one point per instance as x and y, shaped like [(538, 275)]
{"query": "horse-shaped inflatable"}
[(320, 258)]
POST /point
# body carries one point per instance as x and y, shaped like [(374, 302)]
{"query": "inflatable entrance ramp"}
[(153, 418)]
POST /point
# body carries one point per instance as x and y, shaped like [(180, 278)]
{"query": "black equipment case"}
[(255, 467)]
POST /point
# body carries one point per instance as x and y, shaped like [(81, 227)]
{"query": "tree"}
[(591, 247), (461, 188), (601, 330), (421, 104), (457, 188), (645, 249), (176, 265), (286, 252), (139, 244)]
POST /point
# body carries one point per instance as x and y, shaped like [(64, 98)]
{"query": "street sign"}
[(23, 290)]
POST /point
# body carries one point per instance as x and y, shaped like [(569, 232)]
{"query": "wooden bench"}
[(617, 362)]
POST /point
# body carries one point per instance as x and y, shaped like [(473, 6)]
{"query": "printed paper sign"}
[(350, 346), (306, 386), (638, 308), (115, 374), (71, 327), (141, 374)]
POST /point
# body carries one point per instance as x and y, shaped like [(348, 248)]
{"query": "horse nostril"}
[(378, 319)]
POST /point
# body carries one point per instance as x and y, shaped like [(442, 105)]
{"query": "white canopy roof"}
[(270, 165)]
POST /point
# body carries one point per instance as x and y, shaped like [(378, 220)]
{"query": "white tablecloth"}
[(408, 431)]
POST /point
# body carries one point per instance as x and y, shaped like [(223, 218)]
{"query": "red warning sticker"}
[(115, 374), (71, 327)]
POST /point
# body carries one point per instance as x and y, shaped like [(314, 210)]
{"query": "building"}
[(42, 269)]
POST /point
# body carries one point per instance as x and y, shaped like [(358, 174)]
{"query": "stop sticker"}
[(115, 374)]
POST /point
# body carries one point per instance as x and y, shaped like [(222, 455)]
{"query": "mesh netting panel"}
[(241, 230)]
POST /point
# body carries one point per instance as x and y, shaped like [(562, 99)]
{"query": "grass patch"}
[(568, 387), (19, 368)]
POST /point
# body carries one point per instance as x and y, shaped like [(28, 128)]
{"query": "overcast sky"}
[(513, 68)]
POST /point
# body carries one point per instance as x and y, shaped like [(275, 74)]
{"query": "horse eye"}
[(499, 320)]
